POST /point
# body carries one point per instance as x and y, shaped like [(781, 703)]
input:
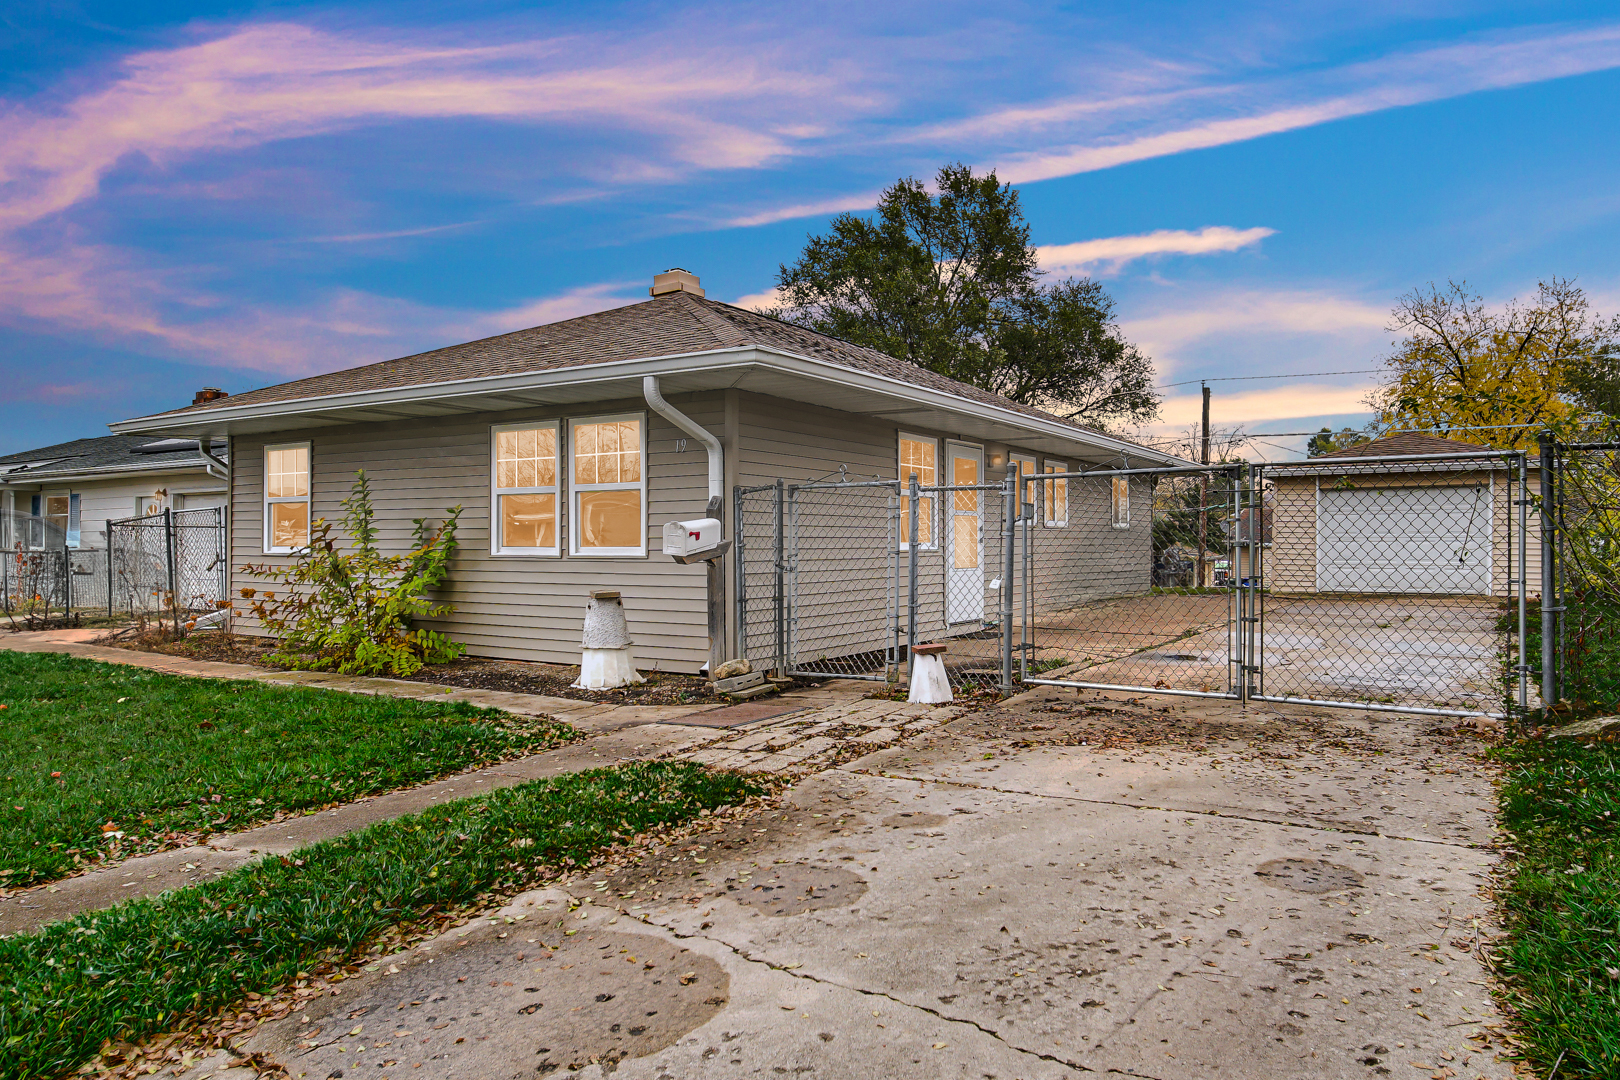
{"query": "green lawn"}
[(91, 750), (133, 969), (1561, 960)]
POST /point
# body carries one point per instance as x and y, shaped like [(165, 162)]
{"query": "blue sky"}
[(238, 194)]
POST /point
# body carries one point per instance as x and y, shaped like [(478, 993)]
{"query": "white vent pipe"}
[(649, 390)]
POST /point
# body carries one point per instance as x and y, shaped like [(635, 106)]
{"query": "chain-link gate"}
[(171, 561), (42, 576), (1134, 579), (1395, 582)]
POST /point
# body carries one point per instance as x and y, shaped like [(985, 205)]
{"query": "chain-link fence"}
[(1574, 637), (1396, 582), (42, 577), (1385, 583), (174, 561)]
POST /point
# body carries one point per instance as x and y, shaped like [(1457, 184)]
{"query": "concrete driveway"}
[(1055, 887)]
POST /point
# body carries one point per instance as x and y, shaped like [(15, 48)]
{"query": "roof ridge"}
[(725, 331)]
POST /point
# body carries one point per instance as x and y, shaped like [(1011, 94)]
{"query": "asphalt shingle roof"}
[(1405, 442), (666, 325), (97, 454)]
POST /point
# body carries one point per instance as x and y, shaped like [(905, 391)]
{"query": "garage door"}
[(1411, 540)]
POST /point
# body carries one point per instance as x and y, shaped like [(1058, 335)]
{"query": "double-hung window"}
[(1122, 502), (609, 488), (525, 489), (1056, 495), (919, 458), (286, 497)]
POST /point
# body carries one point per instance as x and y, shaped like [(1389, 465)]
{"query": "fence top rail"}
[(925, 489), (893, 485), (1330, 464), (739, 490), (1588, 446), (1183, 470)]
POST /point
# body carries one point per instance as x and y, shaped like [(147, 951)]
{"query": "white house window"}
[(525, 490), (919, 458), (609, 486), (286, 497), (1122, 502), (59, 521), (1056, 496)]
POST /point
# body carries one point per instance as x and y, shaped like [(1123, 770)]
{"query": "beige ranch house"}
[(570, 445)]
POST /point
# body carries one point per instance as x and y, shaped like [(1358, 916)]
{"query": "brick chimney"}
[(676, 280), (208, 393)]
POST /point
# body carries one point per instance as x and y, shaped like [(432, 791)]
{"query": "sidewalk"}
[(827, 726)]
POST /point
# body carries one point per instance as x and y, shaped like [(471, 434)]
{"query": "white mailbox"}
[(689, 540)]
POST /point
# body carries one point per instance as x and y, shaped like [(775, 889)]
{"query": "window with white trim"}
[(609, 485), (919, 457), (1055, 496), (523, 500), (1122, 502), (286, 497)]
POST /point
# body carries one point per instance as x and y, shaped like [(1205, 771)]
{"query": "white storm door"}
[(964, 572)]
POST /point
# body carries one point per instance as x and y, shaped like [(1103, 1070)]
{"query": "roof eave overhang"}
[(118, 472), (749, 367)]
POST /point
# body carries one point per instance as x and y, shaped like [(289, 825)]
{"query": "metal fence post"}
[(111, 532), (780, 624), (1009, 559), (1524, 570), (67, 582), (168, 543), (913, 516), (1549, 613)]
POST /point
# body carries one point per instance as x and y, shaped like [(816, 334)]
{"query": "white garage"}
[(1428, 539)]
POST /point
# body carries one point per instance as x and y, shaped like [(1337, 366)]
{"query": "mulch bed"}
[(471, 673)]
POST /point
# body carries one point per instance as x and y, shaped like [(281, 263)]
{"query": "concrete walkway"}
[(828, 724)]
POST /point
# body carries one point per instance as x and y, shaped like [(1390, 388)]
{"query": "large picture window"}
[(524, 498), (286, 497), (609, 487), (1056, 496), (919, 458)]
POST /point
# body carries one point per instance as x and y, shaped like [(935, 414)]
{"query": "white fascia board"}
[(714, 361), (116, 472)]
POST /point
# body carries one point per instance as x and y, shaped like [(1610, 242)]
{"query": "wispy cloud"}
[(1400, 80), (1109, 254), (1184, 320), (1247, 407), (760, 301), (842, 204)]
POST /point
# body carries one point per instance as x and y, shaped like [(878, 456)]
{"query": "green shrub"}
[(352, 611)]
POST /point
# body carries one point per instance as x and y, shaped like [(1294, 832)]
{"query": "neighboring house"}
[(77, 487), (560, 447), (1445, 528)]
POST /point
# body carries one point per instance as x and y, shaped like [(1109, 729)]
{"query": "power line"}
[(1319, 431), (1246, 378)]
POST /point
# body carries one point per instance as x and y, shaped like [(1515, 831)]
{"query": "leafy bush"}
[(351, 611)]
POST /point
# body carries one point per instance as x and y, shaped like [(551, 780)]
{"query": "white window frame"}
[(574, 490), (1120, 502), (926, 502), (555, 490), (1048, 487), (306, 499)]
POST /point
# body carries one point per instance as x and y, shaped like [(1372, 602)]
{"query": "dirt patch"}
[(1132, 723), (529, 1001), (1308, 875), (797, 888)]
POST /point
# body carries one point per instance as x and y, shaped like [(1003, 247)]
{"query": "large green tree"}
[(950, 282)]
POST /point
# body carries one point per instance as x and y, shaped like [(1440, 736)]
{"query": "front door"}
[(964, 575)]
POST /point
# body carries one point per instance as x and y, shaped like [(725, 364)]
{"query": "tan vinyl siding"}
[(515, 607)]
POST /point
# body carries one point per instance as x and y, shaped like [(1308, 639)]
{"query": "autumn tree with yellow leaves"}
[(1462, 370)]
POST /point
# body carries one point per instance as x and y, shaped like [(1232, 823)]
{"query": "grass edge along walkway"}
[(1560, 903), (132, 970), (102, 762)]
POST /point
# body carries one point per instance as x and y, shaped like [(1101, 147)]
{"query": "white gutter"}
[(111, 472), (216, 468), (737, 358), (650, 391)]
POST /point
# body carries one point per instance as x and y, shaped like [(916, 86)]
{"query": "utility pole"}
[(1203, 494)]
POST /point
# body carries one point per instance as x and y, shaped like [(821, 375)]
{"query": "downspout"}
[(655, 399), (212, 465), (716, 579)]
